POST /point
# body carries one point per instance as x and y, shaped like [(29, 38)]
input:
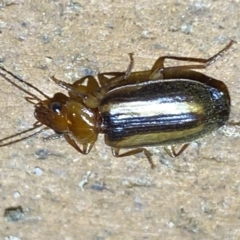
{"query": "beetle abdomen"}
[(161, 112)]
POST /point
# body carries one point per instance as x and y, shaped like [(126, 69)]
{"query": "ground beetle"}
[(162, 106)]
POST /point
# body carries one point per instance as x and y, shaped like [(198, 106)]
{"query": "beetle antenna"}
[(22, 81), (36, 125)]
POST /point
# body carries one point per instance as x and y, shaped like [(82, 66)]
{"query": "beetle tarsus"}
[(171, 151), (115, 152), (130, 66)]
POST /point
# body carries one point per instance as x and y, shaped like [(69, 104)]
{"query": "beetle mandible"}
[(161, 106)]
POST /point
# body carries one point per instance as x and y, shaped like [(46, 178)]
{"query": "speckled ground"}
[(196, 196)]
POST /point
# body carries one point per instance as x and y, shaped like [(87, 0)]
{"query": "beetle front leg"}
[(115, 152), (86, 147), (80, 91), (90, 87)]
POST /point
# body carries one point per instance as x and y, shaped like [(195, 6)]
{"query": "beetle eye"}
[(56, 107)]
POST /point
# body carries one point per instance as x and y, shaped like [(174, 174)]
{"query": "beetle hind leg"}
[(115, 152), (158, 66), (170, 150)]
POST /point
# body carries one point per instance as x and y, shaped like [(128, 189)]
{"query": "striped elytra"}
[(162, 112)]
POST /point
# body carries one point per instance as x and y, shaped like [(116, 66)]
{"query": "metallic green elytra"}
[(161, 106)]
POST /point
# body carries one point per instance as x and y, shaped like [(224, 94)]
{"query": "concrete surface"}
[(196, 196)]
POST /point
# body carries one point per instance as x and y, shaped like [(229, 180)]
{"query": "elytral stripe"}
[(152, 108), (157, 138)]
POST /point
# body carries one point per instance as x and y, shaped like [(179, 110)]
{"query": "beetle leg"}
[(161, 73), (115, 152), (107, 77), (89, 99), (170, 150), (91, 84), (118, 77), (159, 64), (130, 66), (86, 147)]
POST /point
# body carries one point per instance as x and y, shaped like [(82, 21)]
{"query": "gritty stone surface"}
[(196, 196)]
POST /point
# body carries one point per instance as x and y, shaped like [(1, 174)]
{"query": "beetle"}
[(161, 106)]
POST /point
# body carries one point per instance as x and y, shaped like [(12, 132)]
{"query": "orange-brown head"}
[(65, 115)]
